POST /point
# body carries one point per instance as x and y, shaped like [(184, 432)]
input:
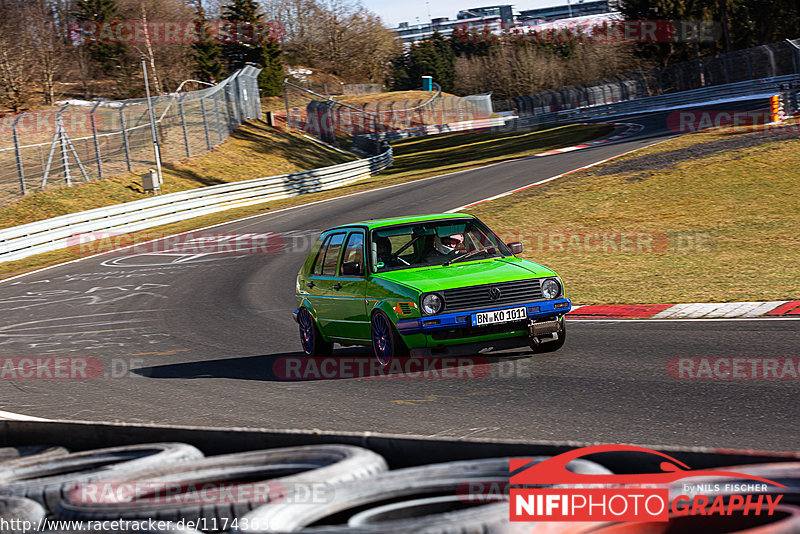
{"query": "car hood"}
[(465, 274)]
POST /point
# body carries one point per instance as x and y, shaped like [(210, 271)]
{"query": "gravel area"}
[(665, 160)]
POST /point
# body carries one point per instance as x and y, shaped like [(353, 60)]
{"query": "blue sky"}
[(392, 12)]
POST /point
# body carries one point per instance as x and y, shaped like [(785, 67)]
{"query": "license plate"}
[(499, 316)]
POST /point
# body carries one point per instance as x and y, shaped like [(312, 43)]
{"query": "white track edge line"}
[(518, 189), (11, 416), (282, 210)]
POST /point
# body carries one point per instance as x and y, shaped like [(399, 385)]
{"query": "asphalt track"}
[(201, 340)]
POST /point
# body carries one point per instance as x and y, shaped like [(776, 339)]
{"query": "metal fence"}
[(77, 143), (361, 88), (338, 123), (766, 61), (83, 227)]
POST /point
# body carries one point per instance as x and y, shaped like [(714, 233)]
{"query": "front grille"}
[(474, 331), (476, 297)]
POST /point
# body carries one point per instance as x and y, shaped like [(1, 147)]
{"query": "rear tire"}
[(552, 346), (386, 342), (311, 338)]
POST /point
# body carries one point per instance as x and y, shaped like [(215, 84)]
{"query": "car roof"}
[(378, 223)]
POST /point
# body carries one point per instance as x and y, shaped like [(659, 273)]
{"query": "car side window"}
[(331, 259), (316, 269), (354, 251)]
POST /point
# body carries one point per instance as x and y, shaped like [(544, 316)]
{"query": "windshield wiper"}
[(467, 255)]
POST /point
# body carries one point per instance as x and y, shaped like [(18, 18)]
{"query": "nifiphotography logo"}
[(624, 497)]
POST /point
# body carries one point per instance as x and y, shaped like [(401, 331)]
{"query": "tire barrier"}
[(12, 508), (786, 520), (786, 473), (24, 454), (140, 527), (172, 488), (471, 482), (217, 489), (46, 479)]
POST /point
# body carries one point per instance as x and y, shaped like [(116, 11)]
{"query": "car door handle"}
[(309, 285), (337, 287)]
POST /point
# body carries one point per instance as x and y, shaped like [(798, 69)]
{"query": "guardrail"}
[(765, 86), (67, 230)]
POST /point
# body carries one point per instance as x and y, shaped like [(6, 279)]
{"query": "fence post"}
[(205, 122), (183, 125), (238, 98), (286, 105), (216, 117), (124, 134), (257, 99), (228, 108), (62, 142), (18, 155), (96, 142), (749, 65)]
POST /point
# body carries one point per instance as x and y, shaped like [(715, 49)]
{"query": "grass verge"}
[(254, 150), (717, 228), (415, 159)]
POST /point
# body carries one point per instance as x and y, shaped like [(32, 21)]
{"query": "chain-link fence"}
[(764, 61), (77, 143), (343, 124)]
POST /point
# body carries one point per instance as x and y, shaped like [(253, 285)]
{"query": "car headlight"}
[(432, 303), (550, 288)]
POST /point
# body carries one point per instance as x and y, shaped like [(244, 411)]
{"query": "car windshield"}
[(433, 243)]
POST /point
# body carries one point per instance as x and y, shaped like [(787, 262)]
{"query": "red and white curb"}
[(696, 310), (632, 129)]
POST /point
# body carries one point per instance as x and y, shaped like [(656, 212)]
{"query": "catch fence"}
[(343, 123), (77, 143), (766, 61)]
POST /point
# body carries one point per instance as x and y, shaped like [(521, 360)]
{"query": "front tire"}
[(386, 342), (311, 338)]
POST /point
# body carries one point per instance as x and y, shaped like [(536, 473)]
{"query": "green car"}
[(432, 285)]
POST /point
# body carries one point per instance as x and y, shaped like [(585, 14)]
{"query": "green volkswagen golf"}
[(442, 285)]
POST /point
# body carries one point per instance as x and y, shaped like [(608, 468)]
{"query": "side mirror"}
[(351, 268), (516, 247)]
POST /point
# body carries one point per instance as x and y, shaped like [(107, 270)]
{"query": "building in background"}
[(502, 17), (570, 10), (506, 13)]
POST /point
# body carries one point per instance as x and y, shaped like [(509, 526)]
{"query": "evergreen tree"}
[(270, 81), (207, 52), (107, 56), (432, 57), (243, 48)]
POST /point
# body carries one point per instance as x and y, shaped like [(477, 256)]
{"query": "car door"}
[(321, 279), (349, 291)]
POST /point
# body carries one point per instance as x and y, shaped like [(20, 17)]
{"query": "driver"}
[(453, 244), (383, 247)]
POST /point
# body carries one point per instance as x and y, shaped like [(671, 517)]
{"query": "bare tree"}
[(17, 57), (48, 39)]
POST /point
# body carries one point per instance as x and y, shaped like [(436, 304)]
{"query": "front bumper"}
[(464, 319)]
